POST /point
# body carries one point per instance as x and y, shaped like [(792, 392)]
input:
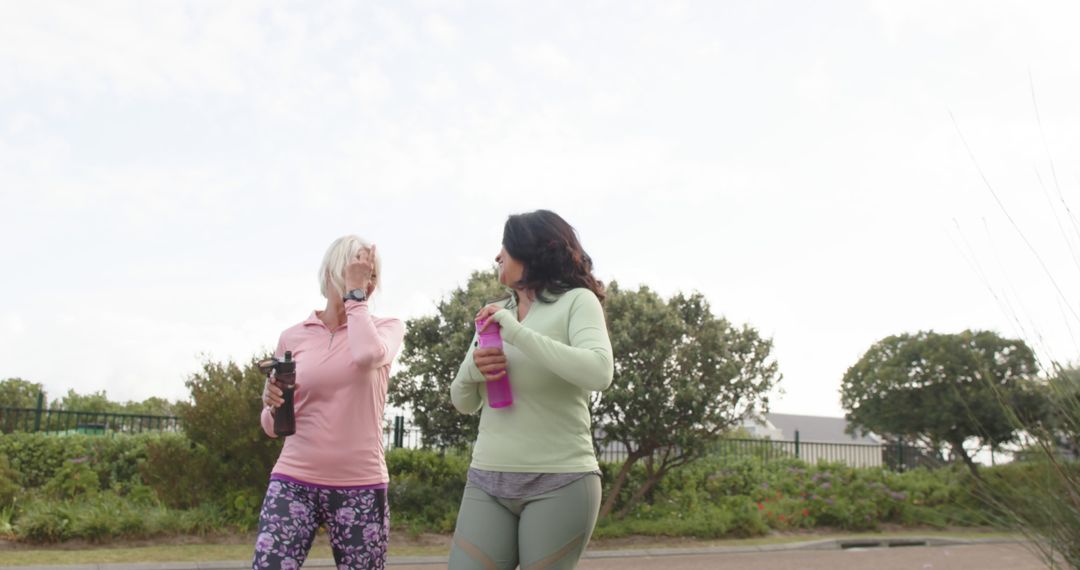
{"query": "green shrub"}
[(110, 516), (44, 522), (75, 479), (9, 483), (734, 516), (174, 489), (786, 494), (145, 468), (182, 474), (241, 508), (634, 479), (38, 456), (425, 488), (223, 418), (116, 458)]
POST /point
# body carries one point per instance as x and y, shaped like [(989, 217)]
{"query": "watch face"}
[(357, 294)]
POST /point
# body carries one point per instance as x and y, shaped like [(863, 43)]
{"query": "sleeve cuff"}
[(510, 325), (267, 421)]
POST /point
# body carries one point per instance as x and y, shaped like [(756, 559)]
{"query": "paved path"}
[(821, 555), (981, 557), (966, 557)]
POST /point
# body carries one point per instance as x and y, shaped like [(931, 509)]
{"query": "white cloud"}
[(442, 30), (440, 88), (546, 58), (14, 325)]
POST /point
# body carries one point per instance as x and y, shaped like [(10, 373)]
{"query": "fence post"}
[(37, 414), (399, 431), (796, 444), (900, 454)]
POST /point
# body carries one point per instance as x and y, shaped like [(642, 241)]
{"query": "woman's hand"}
[(491, 362), (360, 272), (485, 314), (273, 396)]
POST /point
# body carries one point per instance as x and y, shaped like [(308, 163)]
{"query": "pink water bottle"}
[(499, 395)]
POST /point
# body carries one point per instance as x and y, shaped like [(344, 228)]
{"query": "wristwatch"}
[(358, 295)]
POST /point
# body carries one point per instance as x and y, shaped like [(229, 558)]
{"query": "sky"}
[(829, 173)]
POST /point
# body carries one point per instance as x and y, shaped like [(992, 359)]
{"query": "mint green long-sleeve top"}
[(556, 357)]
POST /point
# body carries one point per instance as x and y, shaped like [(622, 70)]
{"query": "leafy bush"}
[(165, 466), (425, 488), (165, 484), (75, 479), (108, 516), (1040, 499), (732, 516), (223, 418), (182, 474), (38, 457), (116, 459), (788, 494)]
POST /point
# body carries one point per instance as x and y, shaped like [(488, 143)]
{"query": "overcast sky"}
[(172, 172)]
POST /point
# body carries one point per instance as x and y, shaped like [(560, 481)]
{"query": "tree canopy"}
[(19, 393), (683, 378), (434, 347), (944, 390)]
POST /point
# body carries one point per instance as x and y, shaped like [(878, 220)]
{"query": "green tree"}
[(93, 402), (99, 402), (944, 390), (683, 378), (19, 393), (152, 406), (223, 416), (1061, 432), (434, 348)]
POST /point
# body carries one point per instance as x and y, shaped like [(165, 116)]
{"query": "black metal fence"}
[(64, 421), (897, 456), (401, 435)]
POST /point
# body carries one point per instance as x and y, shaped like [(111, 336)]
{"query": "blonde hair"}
[(338, 255)]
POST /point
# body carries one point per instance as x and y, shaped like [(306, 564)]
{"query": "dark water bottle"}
[(285, 416)]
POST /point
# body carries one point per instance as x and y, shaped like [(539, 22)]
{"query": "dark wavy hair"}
[(549, 249)]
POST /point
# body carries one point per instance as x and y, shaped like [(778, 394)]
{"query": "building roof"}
[(817, 428)]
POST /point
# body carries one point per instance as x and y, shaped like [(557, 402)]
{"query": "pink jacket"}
[(342, 377)]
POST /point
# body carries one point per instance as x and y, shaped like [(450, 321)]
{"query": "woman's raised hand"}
[(360, 272)]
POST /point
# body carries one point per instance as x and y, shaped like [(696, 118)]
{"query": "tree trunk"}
[(616, 487), (958, 449), (637, 496)]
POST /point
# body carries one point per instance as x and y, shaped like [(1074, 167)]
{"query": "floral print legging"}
[(357, 521)]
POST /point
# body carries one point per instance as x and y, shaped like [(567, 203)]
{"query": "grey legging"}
[(548, 531)]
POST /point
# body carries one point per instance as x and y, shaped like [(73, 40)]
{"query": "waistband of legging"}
[(287, 479)]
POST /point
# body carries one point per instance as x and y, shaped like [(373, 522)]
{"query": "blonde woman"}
[(332, 472)]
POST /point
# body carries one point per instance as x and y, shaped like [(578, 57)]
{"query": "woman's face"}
[(510, 269)]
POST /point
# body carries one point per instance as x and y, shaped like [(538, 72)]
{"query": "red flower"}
[(781, 518), (806, 512), (760, 507)]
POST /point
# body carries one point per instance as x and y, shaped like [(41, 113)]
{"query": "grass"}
[(173, 553), (650, 542), (321, 550)]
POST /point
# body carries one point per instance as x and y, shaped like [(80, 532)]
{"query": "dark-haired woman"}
[(533, 488)]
